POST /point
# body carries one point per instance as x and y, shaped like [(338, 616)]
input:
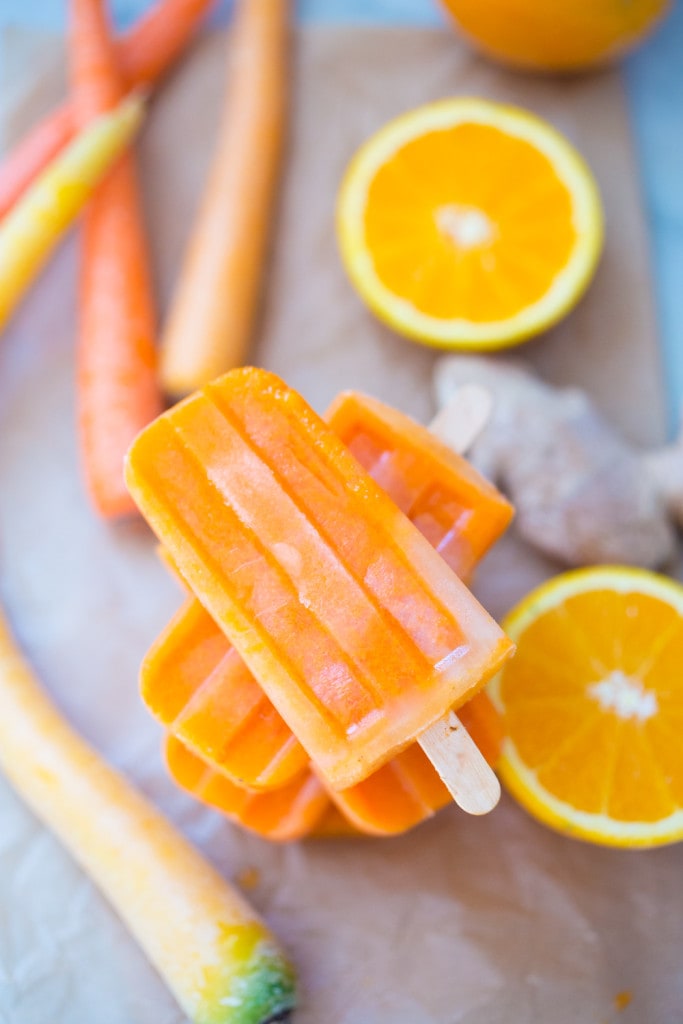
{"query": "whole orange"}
[(561, 36)]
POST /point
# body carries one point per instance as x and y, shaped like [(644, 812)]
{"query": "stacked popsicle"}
[(326, 634)]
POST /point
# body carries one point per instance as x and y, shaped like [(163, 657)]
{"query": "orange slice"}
[(593, 705), (469, 224)]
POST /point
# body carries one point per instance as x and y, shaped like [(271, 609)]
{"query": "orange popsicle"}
[(459, 512), (196, 684), (407, 790), (280, 815), (354, 626), (333, 825), (397, 797), (194, 681)]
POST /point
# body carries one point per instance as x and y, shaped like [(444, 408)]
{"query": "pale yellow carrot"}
[(35, 224), (214, 952), (212, 316)]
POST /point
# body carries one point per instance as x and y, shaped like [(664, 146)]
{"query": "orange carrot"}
[(145, 53), (151, 47), (215, 303), (35, 151), (117, 392)]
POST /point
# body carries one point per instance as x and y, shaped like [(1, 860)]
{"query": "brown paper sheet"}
[(492, 921)]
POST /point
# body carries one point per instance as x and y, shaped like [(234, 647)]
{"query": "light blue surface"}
[(655, 89), (654, 77), (50, 13)]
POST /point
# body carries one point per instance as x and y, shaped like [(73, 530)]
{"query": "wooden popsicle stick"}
[(461, 422), (460, 764)]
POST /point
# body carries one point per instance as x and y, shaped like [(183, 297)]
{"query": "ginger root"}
[(583, 494)]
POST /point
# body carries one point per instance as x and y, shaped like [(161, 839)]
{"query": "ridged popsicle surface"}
[(355, 628), (196, 683)]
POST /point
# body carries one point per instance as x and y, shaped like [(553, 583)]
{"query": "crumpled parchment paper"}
[(492, 921)]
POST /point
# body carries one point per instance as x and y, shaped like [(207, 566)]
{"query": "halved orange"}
[(469, 224), (567, 36), (593, 706)]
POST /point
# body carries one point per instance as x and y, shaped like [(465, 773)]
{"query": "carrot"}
[(145, 53), (34, 226), (215, 302), (35, 151), (214, 952), (117, 392), (150, 48)]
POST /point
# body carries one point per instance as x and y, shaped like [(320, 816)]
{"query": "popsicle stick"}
[(461, 766), (461, 421)]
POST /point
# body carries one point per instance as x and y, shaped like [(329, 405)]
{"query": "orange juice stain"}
[(622, 1000)]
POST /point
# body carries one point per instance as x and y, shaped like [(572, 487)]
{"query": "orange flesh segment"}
[(468, 222), (592, 701), (281, 534)]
